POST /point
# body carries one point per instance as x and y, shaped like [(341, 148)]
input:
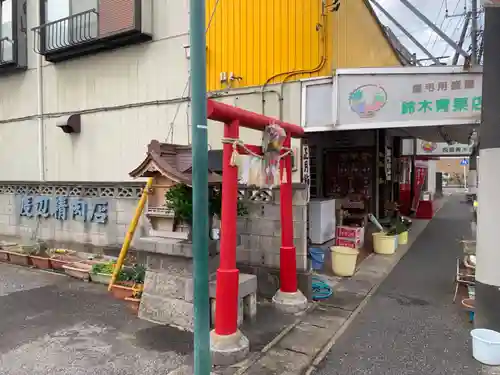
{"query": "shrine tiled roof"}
[(172, 161)]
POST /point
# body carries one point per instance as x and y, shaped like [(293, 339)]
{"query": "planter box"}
[(42, 263), (58, 261), (133, 304), (4, 256), (19, 259), (100, 278), (123, 290), (58, 264), (78, 270)]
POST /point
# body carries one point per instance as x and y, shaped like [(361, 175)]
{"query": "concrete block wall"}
[(76, 234), (260, 231)]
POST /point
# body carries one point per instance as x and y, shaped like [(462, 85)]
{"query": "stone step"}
[(168, 298)]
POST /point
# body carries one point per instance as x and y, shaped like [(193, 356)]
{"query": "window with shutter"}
[(77, 27)]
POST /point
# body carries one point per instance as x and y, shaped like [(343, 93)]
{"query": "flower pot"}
[(4, 256), (19, 259), (133, 304), (58, 261), (100, 278), (78, 270), (42, 263), (58, 264), (403, 238), (121, 291)]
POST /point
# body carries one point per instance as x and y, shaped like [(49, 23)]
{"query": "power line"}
[(459, 25), (443, 3)]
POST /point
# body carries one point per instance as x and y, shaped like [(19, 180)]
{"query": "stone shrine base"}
[(168, 287)]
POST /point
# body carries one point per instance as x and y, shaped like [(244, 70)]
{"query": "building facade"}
[(87, 84)]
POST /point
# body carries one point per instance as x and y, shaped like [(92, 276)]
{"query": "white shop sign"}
[(425, 148), (405, 97)]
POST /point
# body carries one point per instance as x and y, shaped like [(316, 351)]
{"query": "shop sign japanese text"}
[(64, 208), (443, 96), (406, 99)]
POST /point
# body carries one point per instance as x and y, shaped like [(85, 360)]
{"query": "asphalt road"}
[(51, 324), (410, 325)]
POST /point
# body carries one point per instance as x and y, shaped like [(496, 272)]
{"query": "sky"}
[(435, 10)]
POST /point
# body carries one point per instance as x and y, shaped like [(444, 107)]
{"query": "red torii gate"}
[(226, 314)]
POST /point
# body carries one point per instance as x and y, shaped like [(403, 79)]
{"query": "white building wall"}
[(127, 97)]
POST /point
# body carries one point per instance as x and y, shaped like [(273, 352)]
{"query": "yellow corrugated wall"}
[(258, 39)]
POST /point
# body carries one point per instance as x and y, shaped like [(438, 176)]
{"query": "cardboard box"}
[(348, 242), (351, 233)]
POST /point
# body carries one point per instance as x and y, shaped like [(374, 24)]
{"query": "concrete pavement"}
[(51, 324), (410, 325)]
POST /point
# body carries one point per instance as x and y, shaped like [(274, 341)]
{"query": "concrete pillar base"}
[(290, 303), (228, 350)]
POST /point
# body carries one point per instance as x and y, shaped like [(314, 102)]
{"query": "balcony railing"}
[(66, 32), (6, 51)]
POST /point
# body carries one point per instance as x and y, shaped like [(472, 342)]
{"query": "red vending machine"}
[(406, 205)]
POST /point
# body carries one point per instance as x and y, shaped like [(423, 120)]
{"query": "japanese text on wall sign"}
[(462, 103), (62, 208), (444, 86)]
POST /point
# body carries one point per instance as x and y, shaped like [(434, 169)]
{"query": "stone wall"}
[(94, 217), (82, 217), (260, 231), (260, 237)]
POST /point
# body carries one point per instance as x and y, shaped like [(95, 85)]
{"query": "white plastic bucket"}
[(486, 346), (344, 260)]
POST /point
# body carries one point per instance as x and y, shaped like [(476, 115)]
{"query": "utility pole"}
[(462, 37), (202, 365), (473, 34), (487, 255), (481, 50)]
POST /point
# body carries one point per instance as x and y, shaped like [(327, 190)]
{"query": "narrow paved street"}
[(51, 324), (410, 325)]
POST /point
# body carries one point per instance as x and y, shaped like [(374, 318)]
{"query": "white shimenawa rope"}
[(235, 155)]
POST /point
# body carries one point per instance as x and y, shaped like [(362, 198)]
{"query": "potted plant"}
[(40, 258), (20, 254), (139, 274), (179, 199), (4, 255), (79, 270), (400, 228), (101, 273), (134, 302), (124, 284)]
